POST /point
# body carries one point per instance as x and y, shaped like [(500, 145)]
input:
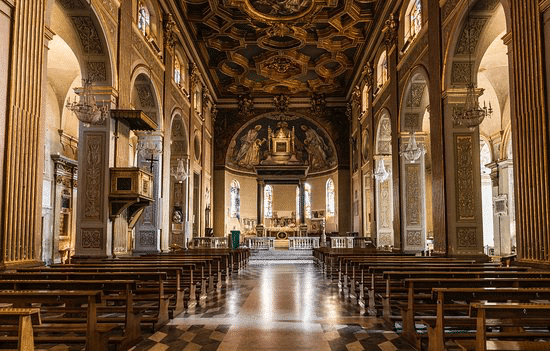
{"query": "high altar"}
[(281, 166)]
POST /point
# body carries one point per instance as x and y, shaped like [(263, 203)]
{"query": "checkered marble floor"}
[(275, 306)]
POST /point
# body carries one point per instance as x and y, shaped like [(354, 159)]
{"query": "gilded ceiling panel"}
[(266, 47)]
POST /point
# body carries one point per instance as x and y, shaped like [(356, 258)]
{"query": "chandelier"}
[(471, 114), (412, 151), (381, 174), (86, 109), (149, 150), (181, 171)]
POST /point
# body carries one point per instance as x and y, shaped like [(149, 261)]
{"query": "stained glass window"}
[(268, 201), (414, 17), (330, 198), (382, 70), (177, 70), (307, 200), (235, 200), (144, 19)]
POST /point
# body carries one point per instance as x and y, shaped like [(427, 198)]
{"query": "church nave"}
[(274, 305)]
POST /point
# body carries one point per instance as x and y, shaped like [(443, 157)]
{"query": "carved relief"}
[(92, 238), (411, 122), (147, 238), (145, 95), (414, 98), (464, 168), (413, 191), (385, 205), (466, 237), (461, 73), (467, 42), (384, 239), (414, 238), (88, 34), (144, 50), (97, 72), (384, 147), (94, 175), (71, 4)]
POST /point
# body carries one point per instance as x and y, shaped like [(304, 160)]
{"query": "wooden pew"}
[(457, 298), (421, 305), (23, 319), (92, 334), (516, 318)]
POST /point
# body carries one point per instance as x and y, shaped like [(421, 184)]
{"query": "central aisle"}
[(276, 306)]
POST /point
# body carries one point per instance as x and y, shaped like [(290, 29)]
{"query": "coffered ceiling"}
[(268, 47)]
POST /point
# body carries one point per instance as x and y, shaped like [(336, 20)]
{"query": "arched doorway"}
[(383, 182), (415, 156)]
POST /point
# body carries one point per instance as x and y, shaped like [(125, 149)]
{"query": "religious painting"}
[(281, 140)]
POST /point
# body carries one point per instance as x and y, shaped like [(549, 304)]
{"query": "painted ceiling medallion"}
[(281, 7)]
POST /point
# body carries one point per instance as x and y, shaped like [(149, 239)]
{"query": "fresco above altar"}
[(281, 140)]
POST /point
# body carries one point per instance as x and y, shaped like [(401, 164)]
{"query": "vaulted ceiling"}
[(268, 47)]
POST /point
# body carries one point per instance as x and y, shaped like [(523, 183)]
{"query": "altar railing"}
[(341, 242), (211, 242), (266, 243), (299, 243)]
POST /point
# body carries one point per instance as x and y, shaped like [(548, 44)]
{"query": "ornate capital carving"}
[(368, 74), (390, 32), (169, 32), (195, 75)]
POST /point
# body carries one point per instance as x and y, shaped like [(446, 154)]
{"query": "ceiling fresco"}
[(266, 47)]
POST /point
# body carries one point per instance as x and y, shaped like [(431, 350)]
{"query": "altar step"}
[(281, 254)]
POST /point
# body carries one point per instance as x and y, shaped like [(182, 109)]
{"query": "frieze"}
[(88, 35), (413, 193), (466, 237), (91, 238), (464, 168)]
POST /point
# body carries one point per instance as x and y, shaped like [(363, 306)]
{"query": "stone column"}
[(502, 206), (463, 182), (22, 136), (260, 230), (147, 230)]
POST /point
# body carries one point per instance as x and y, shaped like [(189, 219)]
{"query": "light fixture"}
[(86, 109), (471, 114), (181, 171), (149, 150), (381, 174), (412, 152)]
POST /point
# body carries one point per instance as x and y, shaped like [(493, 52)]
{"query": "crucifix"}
[(151, 160)]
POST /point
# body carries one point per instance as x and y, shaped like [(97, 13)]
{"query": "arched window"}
[(382, 70), (413, 20), (268, 201), (298, 204), (177, 70), (330, 198), (235, 200), (144, 18), (307, 201)]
